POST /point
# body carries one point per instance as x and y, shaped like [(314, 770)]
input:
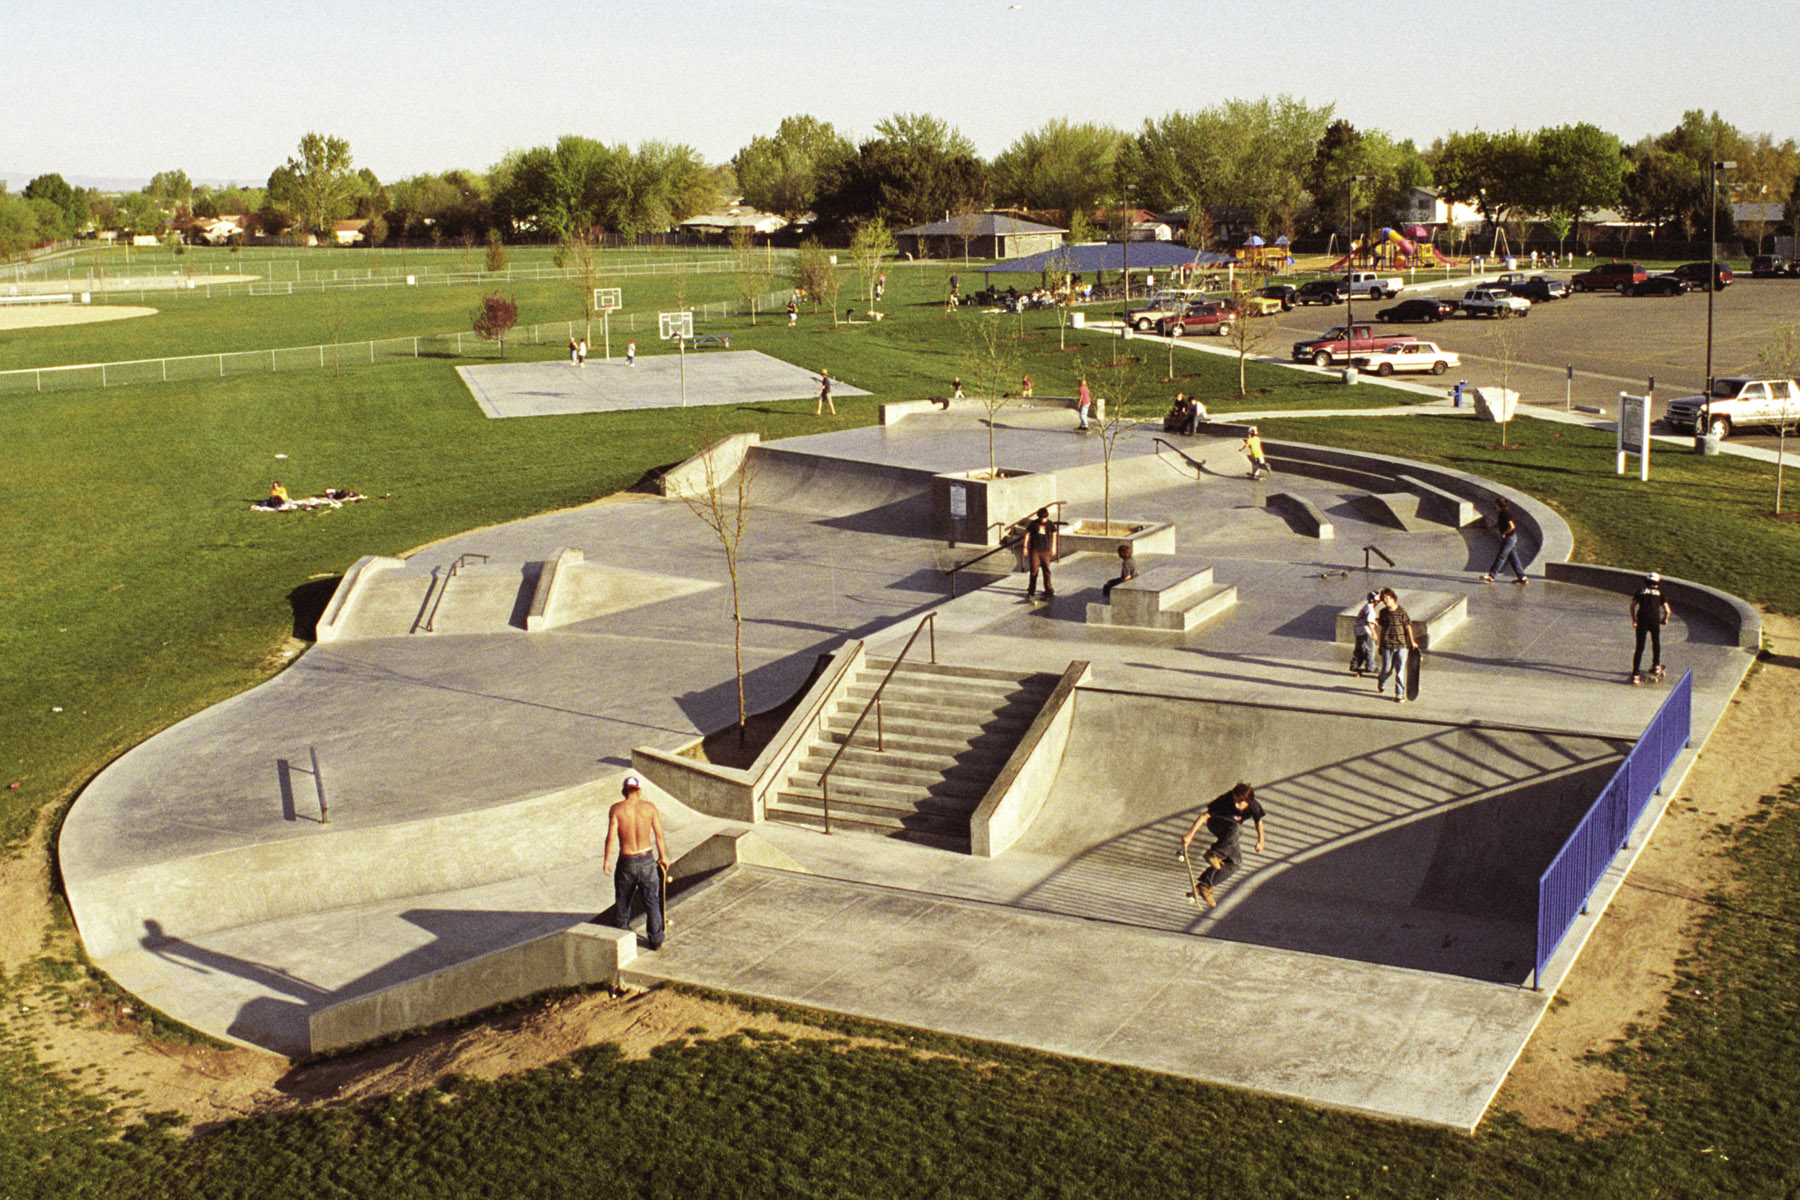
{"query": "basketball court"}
[(542, 389)]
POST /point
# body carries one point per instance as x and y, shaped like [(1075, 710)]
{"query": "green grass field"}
[(139, 588)]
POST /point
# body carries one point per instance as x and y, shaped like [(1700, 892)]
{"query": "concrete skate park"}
[(405, 826)]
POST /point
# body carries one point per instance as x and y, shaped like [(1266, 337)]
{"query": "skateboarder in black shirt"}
[(1224, 818), (1649, 613)]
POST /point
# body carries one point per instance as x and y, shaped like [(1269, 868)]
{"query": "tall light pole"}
[(1350, 292), (1712, 284)]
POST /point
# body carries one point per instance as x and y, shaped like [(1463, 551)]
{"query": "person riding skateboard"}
[(1649, 613), (1224, 819), (635, 827)]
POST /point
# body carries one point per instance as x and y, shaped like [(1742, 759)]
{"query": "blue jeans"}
[(638, 874), (1509, 553), (1393, 660)]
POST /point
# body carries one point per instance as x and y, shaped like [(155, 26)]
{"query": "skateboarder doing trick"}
[(635, 827), (1224, 819)]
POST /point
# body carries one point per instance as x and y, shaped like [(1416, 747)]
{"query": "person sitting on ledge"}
[(1127, 570)]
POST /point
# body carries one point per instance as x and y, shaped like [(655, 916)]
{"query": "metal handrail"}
[(1378, 552), (930, 619), (1004, 545), (431, 620)]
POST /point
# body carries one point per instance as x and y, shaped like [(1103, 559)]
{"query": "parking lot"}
[(1613, 343)]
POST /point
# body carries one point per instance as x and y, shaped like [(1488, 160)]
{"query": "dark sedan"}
[(1660, 285), (1695, 274), (1540, 288), (1422, 309)]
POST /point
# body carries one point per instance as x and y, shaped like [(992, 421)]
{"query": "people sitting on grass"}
[(278, 498)]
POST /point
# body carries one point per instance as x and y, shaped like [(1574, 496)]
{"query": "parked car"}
[(1610, 277), (1492, 302), (1319, 291), (1208, 316), (1162, 304), (1539, 289), (1340, 344), (1736, 401), (1258, 305), (1768, 266), (1695, 274), (1423, 308), (1408, 356), (1284, 292), (1372, 284), (1661, 285)]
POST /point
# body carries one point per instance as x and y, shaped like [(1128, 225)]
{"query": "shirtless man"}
[(635, 827)]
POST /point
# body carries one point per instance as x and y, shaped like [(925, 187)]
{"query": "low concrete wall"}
[(739, 794), (990, 506), (1154, 537), (1019, 791), (543, 612), (899, 410), (1439, 505), (1743, 621), (1313, 523), (584, 955), (709, 468), (332, 625)]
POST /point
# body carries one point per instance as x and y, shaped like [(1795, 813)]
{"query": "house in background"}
[(348, 233), (713, 226), (978, 235)]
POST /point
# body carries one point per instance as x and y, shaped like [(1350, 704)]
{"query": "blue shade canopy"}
[(1109, 256)]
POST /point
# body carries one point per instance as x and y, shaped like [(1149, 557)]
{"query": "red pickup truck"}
[(1339, 344)]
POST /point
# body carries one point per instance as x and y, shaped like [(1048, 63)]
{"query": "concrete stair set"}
[(1173, 596), (947, 732)]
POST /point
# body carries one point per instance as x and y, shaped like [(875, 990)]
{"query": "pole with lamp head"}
[(1350, 292), (1712, 286)]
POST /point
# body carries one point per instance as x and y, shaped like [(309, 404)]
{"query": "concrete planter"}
[(1146, 537), (970, 509)]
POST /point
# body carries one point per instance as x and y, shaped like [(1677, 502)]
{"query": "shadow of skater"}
[(205, 962)]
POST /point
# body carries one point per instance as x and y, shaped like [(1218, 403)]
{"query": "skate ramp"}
[(843, 493), (1409, 843)]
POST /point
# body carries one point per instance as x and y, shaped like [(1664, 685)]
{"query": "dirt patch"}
[(1622, 978), (42, 316)]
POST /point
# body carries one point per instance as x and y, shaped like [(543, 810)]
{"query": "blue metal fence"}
[(1566, 884)]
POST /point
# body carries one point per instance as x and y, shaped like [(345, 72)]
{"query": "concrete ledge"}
[(1399, 509), (1018, 793), (1435, 615), (899, 410), (583, 955), (1172, 596), (542, 614), (741, 794), (1149, 537), (1744, 621), (332, 625), (742, 847), (1306, 514), (1439, 505), (709, 468)]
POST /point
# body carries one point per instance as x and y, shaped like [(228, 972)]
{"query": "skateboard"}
[(1653, 675), (1193, 892), (1415, 663)]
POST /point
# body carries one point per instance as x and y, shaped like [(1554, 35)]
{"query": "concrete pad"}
[(655, 380)]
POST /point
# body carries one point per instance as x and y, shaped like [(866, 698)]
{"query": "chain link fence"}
[(337, 355)]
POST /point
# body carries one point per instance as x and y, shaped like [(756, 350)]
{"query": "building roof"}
[(1109, 256), (984, 225)]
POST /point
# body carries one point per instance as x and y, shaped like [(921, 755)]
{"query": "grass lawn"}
[(139, 587)]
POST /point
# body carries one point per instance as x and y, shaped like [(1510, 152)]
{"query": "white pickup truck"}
[(1375, 287), (1736, 401), (1492, 302)]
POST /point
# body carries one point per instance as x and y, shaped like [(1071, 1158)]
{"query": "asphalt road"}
[(1613, 343)]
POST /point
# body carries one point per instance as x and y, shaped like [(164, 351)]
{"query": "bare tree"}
[(1779, 357), (817, 275), (871, 245), (580, 251), (1127, 382), (753, 272), (494, 318), (992, 361), (1504, 337), (968, 224), (722, 502), (1247, 333)]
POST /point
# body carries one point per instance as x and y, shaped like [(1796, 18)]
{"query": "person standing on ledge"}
[(1224, 818), (635, 827), (1649, 613)]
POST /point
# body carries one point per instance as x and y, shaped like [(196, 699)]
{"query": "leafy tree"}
[(494, 318), (814, 272), (872, 244), (1252, 156), (322, 183), (753, 269), (918, 170), (374, 231), (1664, 187), (73, 208), (141, 214), (1496, 173), (171, 187), (18, 225), (1580, 168), (1062, 167), (496, 252), (1344, 152), (781, 174)]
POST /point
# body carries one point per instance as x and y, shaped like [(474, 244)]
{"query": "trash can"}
[(1706, 443), (1077, 320), (1512, 262), (1349, 375)]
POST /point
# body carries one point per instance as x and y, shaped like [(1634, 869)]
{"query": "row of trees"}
[(1276, 164)]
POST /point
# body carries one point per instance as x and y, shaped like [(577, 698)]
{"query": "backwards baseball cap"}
[(1653, 577), (632, 784), (1373, 596)]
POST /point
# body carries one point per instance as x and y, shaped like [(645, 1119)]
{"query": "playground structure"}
[(1258, 255), (1388, 248)]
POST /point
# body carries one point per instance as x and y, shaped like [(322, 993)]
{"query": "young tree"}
[(496, 252), (580, 250), (992, 362), (872, 244), (322, 181), (816, 275), (1779, 358), (1247, 333), (722, 502), (494, 318), (1126, 382), (753, 269)]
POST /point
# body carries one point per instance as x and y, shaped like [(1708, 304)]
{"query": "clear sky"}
[(224, 89)]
